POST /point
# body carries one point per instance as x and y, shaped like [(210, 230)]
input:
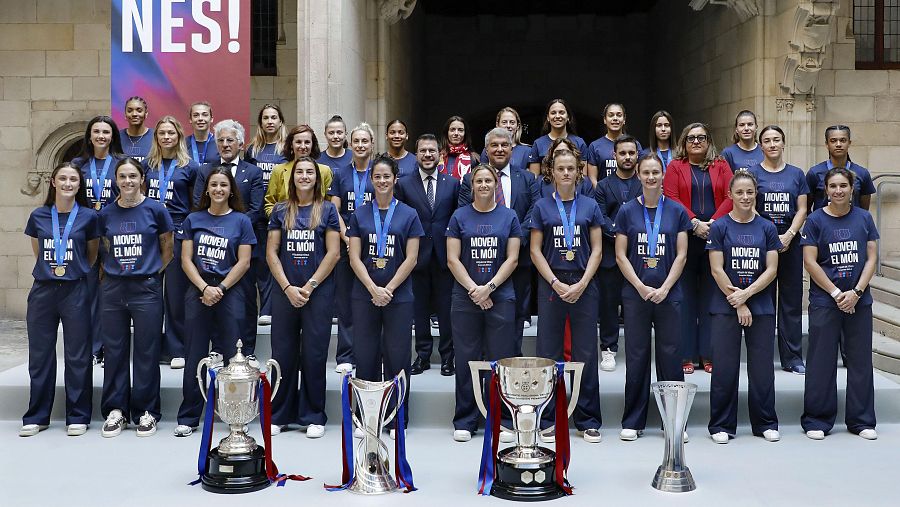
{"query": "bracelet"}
[(792, 232), (285, 288), (835, 293), (203, 291), (223, 288), (553, 281)]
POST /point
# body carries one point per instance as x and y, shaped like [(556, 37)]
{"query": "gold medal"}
[(381, 263), (97, 205), (59, 271), (651, 262), (570, 255)]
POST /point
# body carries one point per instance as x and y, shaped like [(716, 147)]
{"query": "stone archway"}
[(55, 149)]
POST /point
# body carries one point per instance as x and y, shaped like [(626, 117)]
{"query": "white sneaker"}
[(177, 363), (146, 425), (343, 368), (264, 320), (868, 434), (506, 437), (252, 361), (183, 430), (629, 435), (608, 360), (771, 435), (548, 436), (462, 435), (816, 434), (275, 429), (527, 323), (74, 430), (315, 431), (30, 430), (115, 423), (216, 360), (591, 436), (720, 437)]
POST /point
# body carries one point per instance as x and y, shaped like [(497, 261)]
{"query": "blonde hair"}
[(154, 159), (259, 139), (517, 135)]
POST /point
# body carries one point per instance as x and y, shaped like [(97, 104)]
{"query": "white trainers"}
[(275, 429), (264, 320), (315, 431), (462, 435), (630, 435), (30, 430), (343, 368), (527, 324), (176, 363), (591, 436), (816, 434), (115, 423), (607, 360), (868, 434), (720, 437), (506, 437), (548, 436), (146, 425), (183, 430), (771, 435), (74, 430)]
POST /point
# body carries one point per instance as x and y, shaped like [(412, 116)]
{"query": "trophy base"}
[(526, 483), (243, 473), (674, 481)]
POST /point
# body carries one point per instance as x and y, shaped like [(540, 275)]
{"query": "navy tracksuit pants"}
[(432, 286), (381, 338), (96, 331), (664, 320), (723, 389), (261, 271), (552, 312), (300, 338), (127, 299), (609, 281), (521, 279), (820, 397), (50, 302), (697, 285), (175, 286), (344, 276), (788, 300)]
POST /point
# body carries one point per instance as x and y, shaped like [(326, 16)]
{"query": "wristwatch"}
[(858, 292), (313, 283), (492, 286)]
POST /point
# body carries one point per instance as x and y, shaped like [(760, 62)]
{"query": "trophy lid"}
[(238, 368)]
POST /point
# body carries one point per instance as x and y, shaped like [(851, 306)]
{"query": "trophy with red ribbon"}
[(237, 393), (525, 385)]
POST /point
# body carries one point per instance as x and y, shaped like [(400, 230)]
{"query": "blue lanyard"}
[(359, 187), (381, 232), (194, 150), (98, 183), (164, 176), (60, 243), (665, 160), (652, 232), (568, 223)]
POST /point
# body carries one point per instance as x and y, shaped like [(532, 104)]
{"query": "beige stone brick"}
[(8, 273), (882, 133), (16, 302), (71, 105), (18, 11), (849, 109), (72, 63), (285, 87), (16, 159), (22, 63), (92, 36), (262, 87), (860, 82), (16, 242), (887, 108), (104, 64), (43, 105), (884, 158), (68, 11), (51, 88), (14, 113), (15, 138), (90, 88), (31, 36), (24, 267), (843, 56), (16, 88), (95, 107)]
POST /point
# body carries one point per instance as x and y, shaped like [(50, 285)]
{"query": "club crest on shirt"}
[(745, 239), (777, 186), (128, 227), (842, 234), (484, 229), (218, 231)]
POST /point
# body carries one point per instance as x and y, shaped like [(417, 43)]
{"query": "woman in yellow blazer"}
[(300, 142)]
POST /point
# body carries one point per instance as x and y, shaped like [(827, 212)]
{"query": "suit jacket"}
[(411, 191), (524, 192), (677, 185), (250, 186)]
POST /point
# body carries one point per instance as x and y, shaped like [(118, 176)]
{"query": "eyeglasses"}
[(697, 139), (226, 140)]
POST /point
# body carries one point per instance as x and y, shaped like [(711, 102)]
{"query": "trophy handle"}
[(201, 379), (404, 386), (476, 367), (576, 368), (272, 364)]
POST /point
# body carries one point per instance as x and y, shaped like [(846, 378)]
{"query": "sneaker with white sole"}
[(607, 360), (146, 425), (771, 435), (176, 363), (462, 435), (630, 435), (315, 431), (591, 436), (815, 434), (74, 430), (507, 437), (115, 423), (30, 430), (720, 437), (548, 436), (868, 434), (264, 320), (183, 430), (527, 323), (276, 429), (252, 361), (343, 368)]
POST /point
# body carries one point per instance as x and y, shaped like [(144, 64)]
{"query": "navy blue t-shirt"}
[(85, 228), (405, 224), (335, 163), (610, 194), (744, 247), (519, 158), (815, 179), (302, 249), (703, 201), (110, 191), (777, 193), (630, 223), (842, 251), (603, 156), (547, 189), (542, 144), (665, 155), (178, 188), (202, 151), (132, 238), (739, 158), (483, 238), (545, 216), (216, 239), (266, 160), (407, 164), (342, 188), (138, 147)]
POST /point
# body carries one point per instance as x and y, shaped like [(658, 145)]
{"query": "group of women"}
[(705, 246)]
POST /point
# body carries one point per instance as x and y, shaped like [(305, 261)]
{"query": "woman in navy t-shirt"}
[(137, 138), (839, 245), (601, 154), (661, 127), (545, 181), (483, 242), (559, 122), (566, 250), (651, 248), (64, 239), (745, 152), (302, 249), (782, 199), (336, 155), (137, 246), (217, 244), (396, 136), (743, 257)]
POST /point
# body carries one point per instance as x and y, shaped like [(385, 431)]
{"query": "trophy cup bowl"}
[(525, 471), (238, 464), (372, 470), (674, 400)]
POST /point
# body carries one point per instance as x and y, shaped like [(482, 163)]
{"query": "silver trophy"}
[(237, 465), (674, 400), (371, 464), (527, 384)]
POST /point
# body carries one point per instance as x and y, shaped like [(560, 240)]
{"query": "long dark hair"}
[(735, 138), (293, 201), (80, 195), (570, 125), (234, 200), (115, 142), (662, 113), (445, 137)]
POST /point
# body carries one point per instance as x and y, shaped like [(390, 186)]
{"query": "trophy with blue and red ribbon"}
[(525, 386)]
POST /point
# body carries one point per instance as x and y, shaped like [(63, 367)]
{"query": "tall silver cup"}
[(674, 400)]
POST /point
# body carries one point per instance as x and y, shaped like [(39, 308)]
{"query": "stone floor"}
[(13, 343)]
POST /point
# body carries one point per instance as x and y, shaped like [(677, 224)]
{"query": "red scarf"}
[(461, 166)]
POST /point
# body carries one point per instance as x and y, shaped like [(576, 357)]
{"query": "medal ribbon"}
[(561, 464), (346, 437), (568, 223), (653, 232), (195, 152), (208, 421), (487, 473), (164, 176), (402, 470), (99, 183), (381, 231), (60, 243), (265, 415), (359, 187)]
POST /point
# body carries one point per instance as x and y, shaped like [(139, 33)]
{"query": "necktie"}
[(501, 200), (231, 167), (429, 191)]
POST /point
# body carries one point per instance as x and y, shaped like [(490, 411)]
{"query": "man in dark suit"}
[(520, 192), (433, 196), (229, 136)]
